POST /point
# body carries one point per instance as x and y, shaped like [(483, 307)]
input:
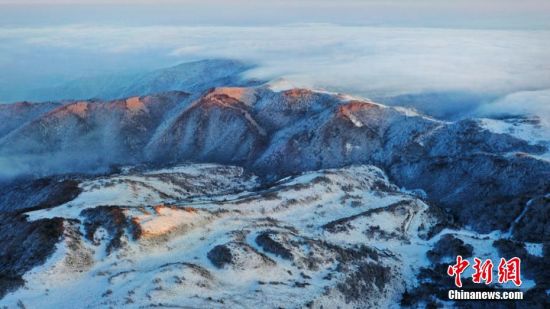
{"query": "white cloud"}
[(362, 60), (525, 102)]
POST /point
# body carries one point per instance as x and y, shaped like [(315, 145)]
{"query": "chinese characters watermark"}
[(508, 270)]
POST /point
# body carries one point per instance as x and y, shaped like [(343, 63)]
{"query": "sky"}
[(491, 48), (532, 14)]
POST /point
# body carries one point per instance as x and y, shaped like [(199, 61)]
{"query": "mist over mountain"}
[(443, 72)]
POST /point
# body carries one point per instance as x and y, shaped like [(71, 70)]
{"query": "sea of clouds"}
[(444, 72)]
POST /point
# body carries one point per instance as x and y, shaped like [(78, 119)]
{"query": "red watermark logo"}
[(508, 270)]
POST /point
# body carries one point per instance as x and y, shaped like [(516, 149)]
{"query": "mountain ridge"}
[(319, 197), (281, 133)]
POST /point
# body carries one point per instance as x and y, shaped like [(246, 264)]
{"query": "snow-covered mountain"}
[(86, 135), (281, 133), (236, 196), (322, 238), (206, 235), (14, 115)]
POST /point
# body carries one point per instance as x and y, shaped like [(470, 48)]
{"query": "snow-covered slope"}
[(323, 238), (86, 135), (206, 235), (530, 129), (17, 114)]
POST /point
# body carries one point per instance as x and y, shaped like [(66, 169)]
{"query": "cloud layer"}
[(368, 61)]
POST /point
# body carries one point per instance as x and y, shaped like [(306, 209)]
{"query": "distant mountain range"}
[(189, 77)]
